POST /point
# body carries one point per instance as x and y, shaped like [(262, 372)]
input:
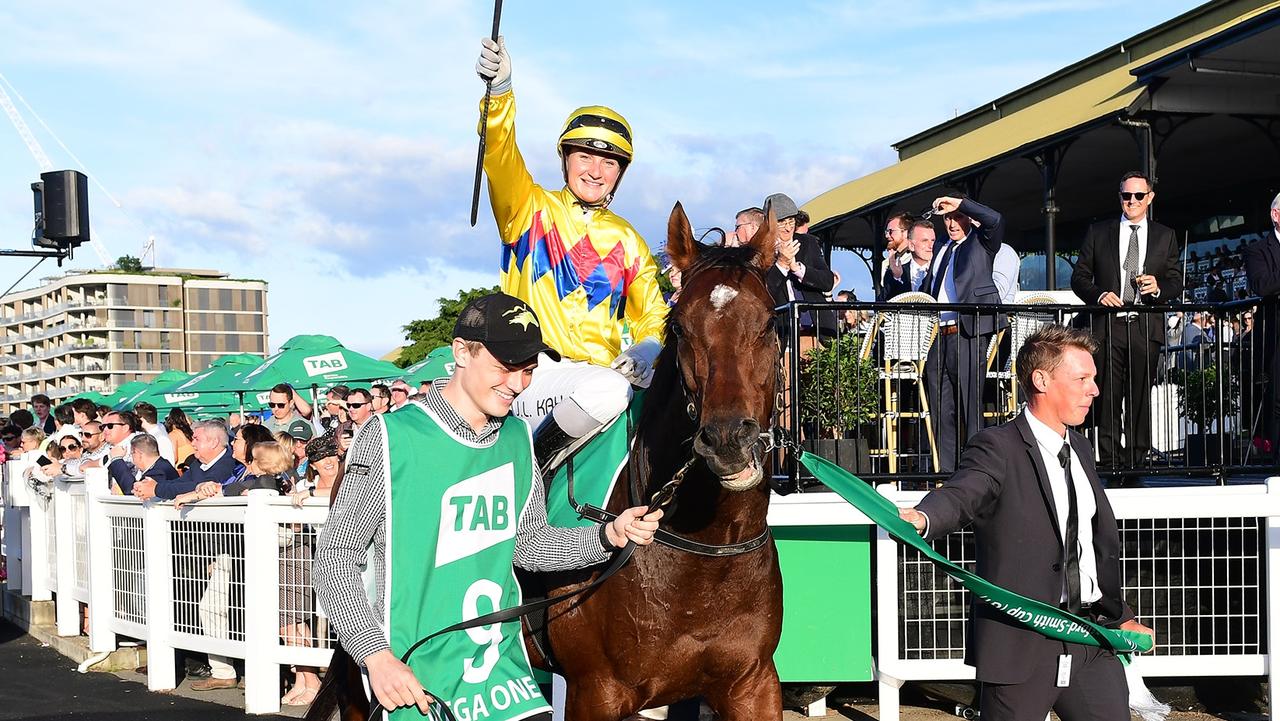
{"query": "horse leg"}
[(599, 699), (754, 696)]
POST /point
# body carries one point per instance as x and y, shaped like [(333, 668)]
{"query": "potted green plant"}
[(1200, 403), (839, 401)]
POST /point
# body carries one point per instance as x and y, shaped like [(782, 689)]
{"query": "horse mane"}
[(666, 387)]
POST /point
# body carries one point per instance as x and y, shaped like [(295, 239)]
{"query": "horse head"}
[(726, 348)]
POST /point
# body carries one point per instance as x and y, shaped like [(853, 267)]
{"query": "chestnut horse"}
[(672, 624)]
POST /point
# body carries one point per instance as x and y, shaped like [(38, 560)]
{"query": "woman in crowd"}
[(292, 476), (30, 440), (242, 447), (179, 429), (297, 599)]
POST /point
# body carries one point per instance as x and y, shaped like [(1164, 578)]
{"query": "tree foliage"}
[(129, 263), (425, 336)]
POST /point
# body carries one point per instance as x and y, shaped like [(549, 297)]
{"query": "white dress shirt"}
[(1004, 273), (947, 293), (917, 273), (1086, 506)]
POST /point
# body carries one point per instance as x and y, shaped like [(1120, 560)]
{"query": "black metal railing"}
[(892, 391)]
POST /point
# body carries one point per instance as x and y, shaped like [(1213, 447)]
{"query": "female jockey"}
[(580, 266)]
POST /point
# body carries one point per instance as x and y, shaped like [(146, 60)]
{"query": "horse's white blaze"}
[(721, 296)]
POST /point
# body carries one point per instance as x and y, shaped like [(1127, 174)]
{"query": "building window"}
[(232, 343)]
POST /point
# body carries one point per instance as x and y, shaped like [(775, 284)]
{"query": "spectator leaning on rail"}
[(1030, 490), (148, 469), (213, 461), (1127, 261), (436, 542), (961, 272), (1262, 267), (581, 268)]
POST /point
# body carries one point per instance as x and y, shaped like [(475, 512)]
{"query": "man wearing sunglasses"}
[(381, 398), (1126, 262), (93, 447), (359, 408), (287, 407)]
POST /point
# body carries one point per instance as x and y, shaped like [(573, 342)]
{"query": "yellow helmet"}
[(600, 129)]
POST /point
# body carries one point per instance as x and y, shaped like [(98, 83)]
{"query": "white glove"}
[(636, 362), (494, 65)]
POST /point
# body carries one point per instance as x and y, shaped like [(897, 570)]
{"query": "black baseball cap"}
[(506, 326)]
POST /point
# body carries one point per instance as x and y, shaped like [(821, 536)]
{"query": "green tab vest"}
[(454, 507)]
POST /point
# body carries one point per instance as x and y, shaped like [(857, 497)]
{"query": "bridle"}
[(766, 442)]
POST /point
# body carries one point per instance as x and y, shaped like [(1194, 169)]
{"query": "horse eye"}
[(676, 330)]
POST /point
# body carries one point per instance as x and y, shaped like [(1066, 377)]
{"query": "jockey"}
[(581, 267)]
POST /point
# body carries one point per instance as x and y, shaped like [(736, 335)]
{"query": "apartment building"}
[(94, 331)]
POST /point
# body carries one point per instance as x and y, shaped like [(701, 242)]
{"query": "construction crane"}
[(41, 158)]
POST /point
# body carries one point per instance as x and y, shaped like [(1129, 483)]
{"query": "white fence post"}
[(1273, 604), (38, 552), (887, 615), (261, 593), (161, 657), (67, 609), (100, 548)]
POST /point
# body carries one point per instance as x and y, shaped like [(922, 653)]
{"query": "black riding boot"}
[(549, 440)]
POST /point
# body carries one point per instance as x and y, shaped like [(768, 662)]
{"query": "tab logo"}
[(318, 365), (476, 513), (176, 398)]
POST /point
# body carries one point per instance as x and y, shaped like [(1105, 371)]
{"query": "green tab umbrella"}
[(316, 361), (221, 382), (160, 393), (124, 391), (437, 364)]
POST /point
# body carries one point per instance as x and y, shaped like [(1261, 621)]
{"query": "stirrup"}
[(549, 441)]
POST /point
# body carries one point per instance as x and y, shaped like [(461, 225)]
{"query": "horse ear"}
[(682, 249), (765, 240)]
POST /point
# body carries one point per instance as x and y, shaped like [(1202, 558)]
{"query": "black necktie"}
[(1071, 537), (942, 270)]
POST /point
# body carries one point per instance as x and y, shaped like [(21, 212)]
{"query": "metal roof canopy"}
[(1222, 58)]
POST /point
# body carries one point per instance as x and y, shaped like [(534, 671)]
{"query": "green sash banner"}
[(1047, 620)]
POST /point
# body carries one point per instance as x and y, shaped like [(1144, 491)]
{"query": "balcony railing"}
[(894, 390)]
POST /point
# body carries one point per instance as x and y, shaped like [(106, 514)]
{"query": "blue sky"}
[(328, 147)]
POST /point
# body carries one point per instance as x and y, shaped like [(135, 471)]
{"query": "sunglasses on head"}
[(278, 405), (1138, 196)]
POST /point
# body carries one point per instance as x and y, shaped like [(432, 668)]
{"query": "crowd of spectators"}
[(293, 448)]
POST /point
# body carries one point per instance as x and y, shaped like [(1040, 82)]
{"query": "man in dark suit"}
[(897, 254), (213, 461), (151, 469), (961, 273), (800, 272), (914, 273), (1043, 528), (1262, 268), (1127, 262)]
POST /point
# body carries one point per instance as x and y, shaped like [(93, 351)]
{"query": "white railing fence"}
[(232, 577), (1195, 563), (225, 576)]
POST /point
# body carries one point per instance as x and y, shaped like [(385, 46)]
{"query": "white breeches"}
[(581, 395)]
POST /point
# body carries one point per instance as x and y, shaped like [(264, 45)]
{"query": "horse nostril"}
[(748, 431)]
